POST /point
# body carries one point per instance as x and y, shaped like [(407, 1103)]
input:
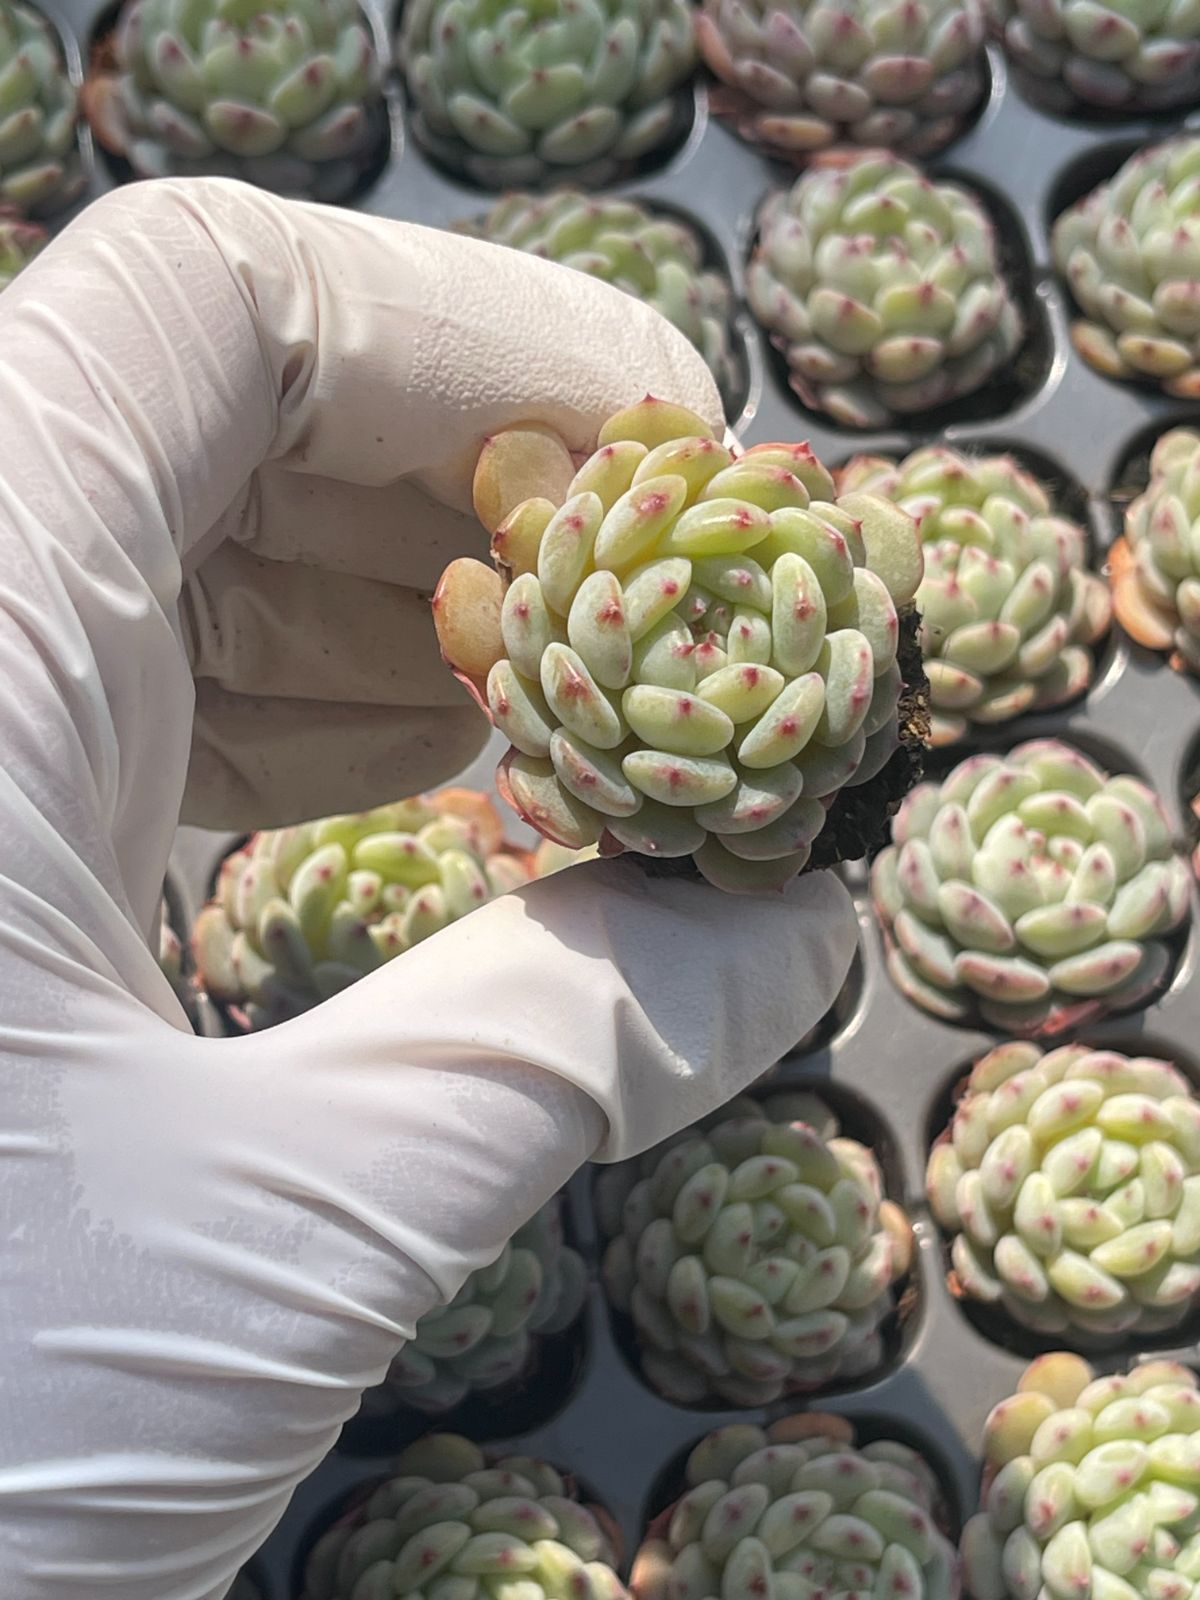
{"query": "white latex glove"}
[(237, 442)]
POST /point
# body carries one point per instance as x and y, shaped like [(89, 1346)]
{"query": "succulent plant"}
[(1032, 890), (882, 289), (755, 1253), (1155, 567), (1008, 609), (283, 93), (693, 655), (1104, 52), (486, 1337), (300, 913), (796, 1510), (449, 1523), (511, 93), (20, 241), (40, 165), (894, 74), (1070, 1183), (652, 256), (1130, 251), (1090, 1486)]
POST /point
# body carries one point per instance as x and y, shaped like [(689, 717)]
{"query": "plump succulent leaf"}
[(512, 93), (755, 1253), (882, 288), (1092, 1485), (1068, 1184), (1130, 252), (1009, 611), (1033, 889), (699, 655), (20, 241), (801, 77)]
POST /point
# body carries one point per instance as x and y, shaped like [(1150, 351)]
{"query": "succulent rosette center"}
[(1070, 1184), (756, 1254), (691, 653), (1034, 890)]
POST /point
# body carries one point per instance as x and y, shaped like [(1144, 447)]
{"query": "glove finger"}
[(395, 350), (396, 534), (660, 999), (282, 630), (259, 762)]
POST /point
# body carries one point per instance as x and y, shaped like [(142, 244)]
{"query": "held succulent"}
[(1070, 1183), (284, 93), (486, 1336), (40, 165), (755, 1253), (1008, 609), (1130, 251), (654, 257), (20, 241), (513, 91), (882, 289), (1033, 890), (797, 1510), (449, 1523), (896, 74), (1155, 567), (303, 912), (691, 654), (1104, 52), (1091, 1486)]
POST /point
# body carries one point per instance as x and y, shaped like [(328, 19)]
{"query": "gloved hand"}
[(237, 443)]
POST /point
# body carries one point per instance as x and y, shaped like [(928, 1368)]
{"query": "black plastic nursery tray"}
[(893, 1067)]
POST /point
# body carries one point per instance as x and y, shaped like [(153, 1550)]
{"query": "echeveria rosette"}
[(41, 169), (798, 1510), (451, 1522), (1130, 252), (882, 288), (1009, 611), (1033, 891), (488, 1336), (892, 74), (303, 912), (692, 653), (1112, 54), (651, 255), (283, 93), (1155, 567), (755, 1253), (1091, 1486), (1069, 1185), (513, 92)]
